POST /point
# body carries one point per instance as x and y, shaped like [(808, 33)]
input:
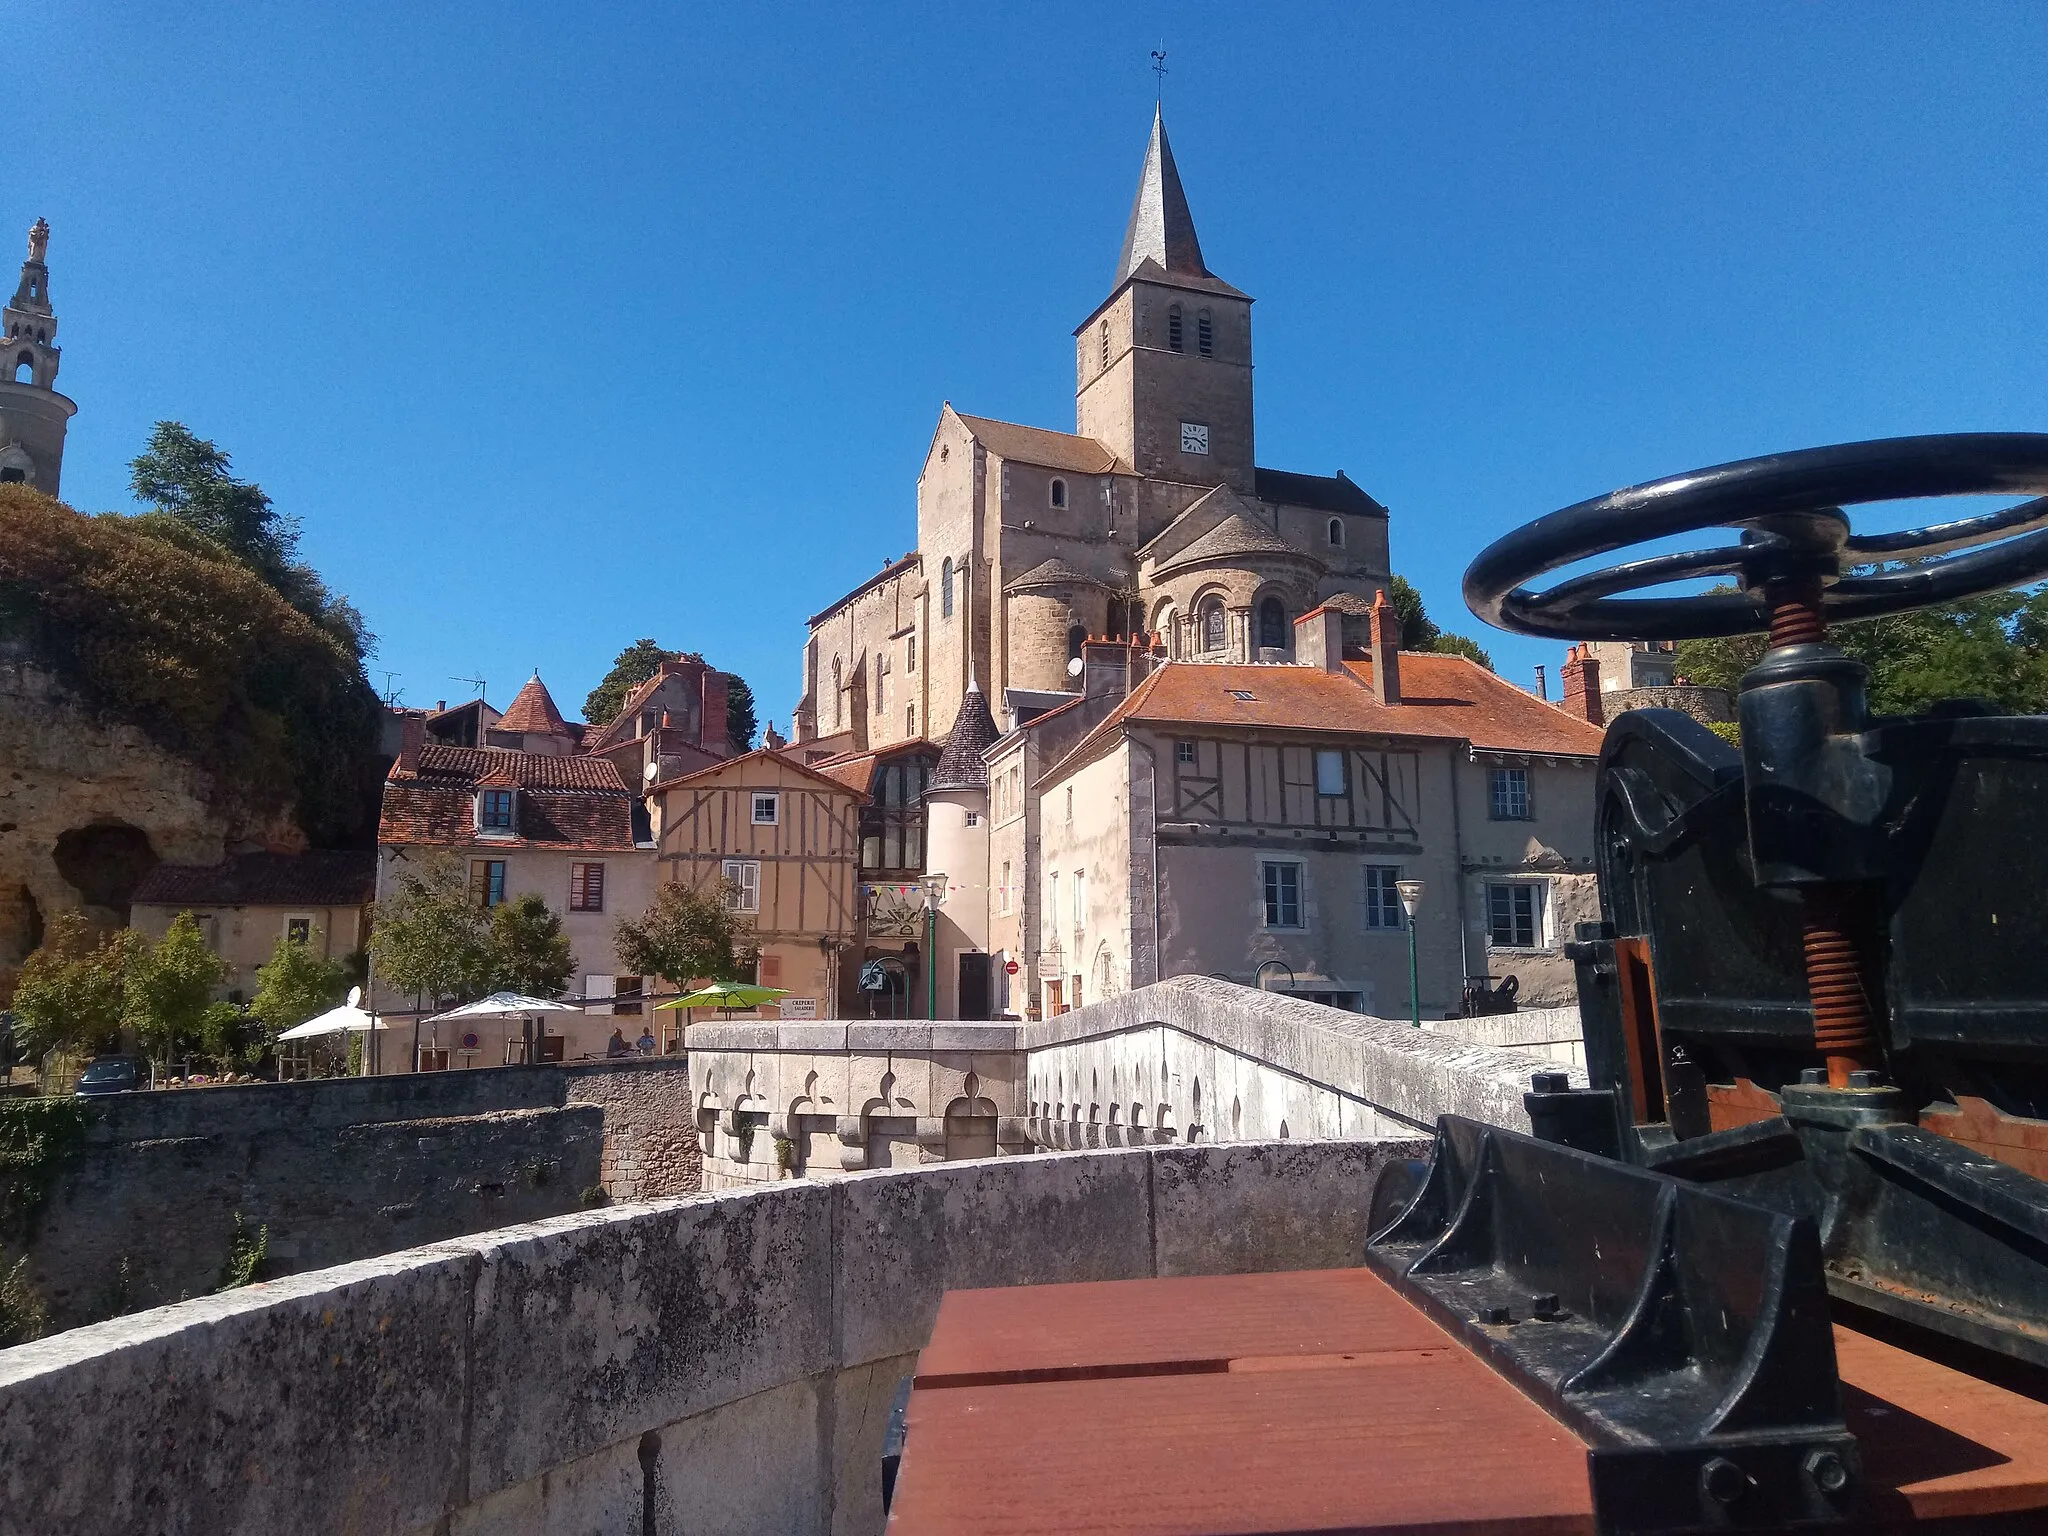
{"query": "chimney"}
[(1109, 668), (711, 723), (1542, 686), (1581, 678), (1319, 640), (1386, 649), (412, 732)]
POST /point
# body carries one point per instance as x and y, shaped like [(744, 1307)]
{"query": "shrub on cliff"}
[(194, 649)]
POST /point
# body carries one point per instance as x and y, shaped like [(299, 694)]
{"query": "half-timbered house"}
[(783, 842)]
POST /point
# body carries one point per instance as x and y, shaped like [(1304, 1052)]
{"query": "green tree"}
[(683, 935), (170, 988), (739, 713), (294, 985), (191, 484), (640, 661), (1420, 633), (69, 994), (630, 668), (430, 937), (1992, 647), (529, 951)]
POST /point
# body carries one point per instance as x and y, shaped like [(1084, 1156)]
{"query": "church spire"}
[(31, 324), (1161, 228)]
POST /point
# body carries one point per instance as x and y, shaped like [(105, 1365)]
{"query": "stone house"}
[(668, 725), (1250, 822), (784, 839), (552, 822), (249, 901), (1152, 515)]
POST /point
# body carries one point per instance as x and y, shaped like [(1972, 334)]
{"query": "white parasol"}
[(349, 1017)]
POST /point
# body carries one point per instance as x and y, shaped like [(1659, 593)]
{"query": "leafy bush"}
[(195, 650)]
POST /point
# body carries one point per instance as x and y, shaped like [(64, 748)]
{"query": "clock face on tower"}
[(1194, 437)]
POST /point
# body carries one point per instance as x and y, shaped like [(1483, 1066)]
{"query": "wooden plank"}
[(1197, 1322), (1386, 1445), (1940, 1442)]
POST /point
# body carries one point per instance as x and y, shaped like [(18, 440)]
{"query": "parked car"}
[(108, 1074)]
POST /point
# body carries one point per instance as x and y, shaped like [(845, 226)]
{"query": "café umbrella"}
[(727, 995), (504, 1005), (348, 1018)]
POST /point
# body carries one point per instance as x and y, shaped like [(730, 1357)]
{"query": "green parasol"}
[(727, 995)]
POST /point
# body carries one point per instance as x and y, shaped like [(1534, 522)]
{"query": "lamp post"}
[(934, 898), (1411, 898)]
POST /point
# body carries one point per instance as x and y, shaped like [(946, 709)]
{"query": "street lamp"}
[(934, 898), (1411, 898)]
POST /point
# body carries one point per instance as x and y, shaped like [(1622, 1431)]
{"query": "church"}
[(1153, 516)]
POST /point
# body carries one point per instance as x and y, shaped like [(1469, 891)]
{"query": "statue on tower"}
[(39, 240)]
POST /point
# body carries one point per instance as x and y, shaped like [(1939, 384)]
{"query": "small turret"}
[(33, 416)]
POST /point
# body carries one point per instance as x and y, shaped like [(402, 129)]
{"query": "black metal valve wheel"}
[(1788, 508)]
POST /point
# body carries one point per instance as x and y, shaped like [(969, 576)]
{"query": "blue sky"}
[(558, 326)]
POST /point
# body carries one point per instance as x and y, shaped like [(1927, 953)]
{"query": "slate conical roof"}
[(973, 733), (1161, 227), (533, 712)]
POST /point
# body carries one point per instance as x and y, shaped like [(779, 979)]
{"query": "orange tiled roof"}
[(568, 802), (1442, 696), (1050, 450), (533, 711)]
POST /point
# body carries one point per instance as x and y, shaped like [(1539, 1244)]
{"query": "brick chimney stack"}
[(1580, 675), (711, 723), (1386, 649), (412, 735), (1319, 640)]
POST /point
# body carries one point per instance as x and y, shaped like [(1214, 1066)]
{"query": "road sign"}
[(1011, 969)]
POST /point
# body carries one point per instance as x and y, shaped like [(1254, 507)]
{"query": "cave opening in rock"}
[(104, 863)]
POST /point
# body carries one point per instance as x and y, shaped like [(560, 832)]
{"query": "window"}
[(910, 655), (1003, 891), (1183, 751), (1205, 334), (487, 881), (1336, 533), (1059, 492), (1105, 343), (299, 930), (910, 721), (1283, 894), (1382, 897), (767, 810), (1080, 898), (13, 474), (1052, 904), (974, 818), (1272, 625), (1510, 794), (629, 995), (744, 877), (1070, 805), (1330, 773), (1173, 336), (1212, 624), (1514, 915), (494, 811), (586, 887), (946, 588), (598, 986), (1242, 695), (881, 685), (838, 690)]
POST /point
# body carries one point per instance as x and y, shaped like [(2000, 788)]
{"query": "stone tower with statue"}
[(33, 416), (1153, 517)]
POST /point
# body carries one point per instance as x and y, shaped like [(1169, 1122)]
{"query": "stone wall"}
[(1555, 1034), (722, 1363), (650, 1129), (144, 1210), (1709, 706)]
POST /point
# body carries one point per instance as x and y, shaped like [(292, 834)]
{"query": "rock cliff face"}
[(88, 805)]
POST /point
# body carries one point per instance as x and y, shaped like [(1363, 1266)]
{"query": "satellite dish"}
[(650, 770), (355, 997), (1074, 667)]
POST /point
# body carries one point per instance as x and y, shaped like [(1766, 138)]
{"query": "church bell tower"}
[(1163, 367), (33, 416)]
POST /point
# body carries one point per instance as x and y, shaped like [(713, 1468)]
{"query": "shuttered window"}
[(586, 887)]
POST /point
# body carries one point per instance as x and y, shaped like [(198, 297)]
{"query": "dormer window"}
[(494, 811)]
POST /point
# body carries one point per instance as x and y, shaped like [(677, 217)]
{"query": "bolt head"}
[(1496, 1317), (1544, 1306), (1827, 1471), (1866, 1079), (1813, 1077), (1550, 1082), (1723, 1481)]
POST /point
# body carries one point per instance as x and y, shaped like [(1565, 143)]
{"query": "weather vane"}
[(1159, 73)]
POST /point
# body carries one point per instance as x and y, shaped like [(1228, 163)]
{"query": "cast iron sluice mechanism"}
[(1815, 1009)]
